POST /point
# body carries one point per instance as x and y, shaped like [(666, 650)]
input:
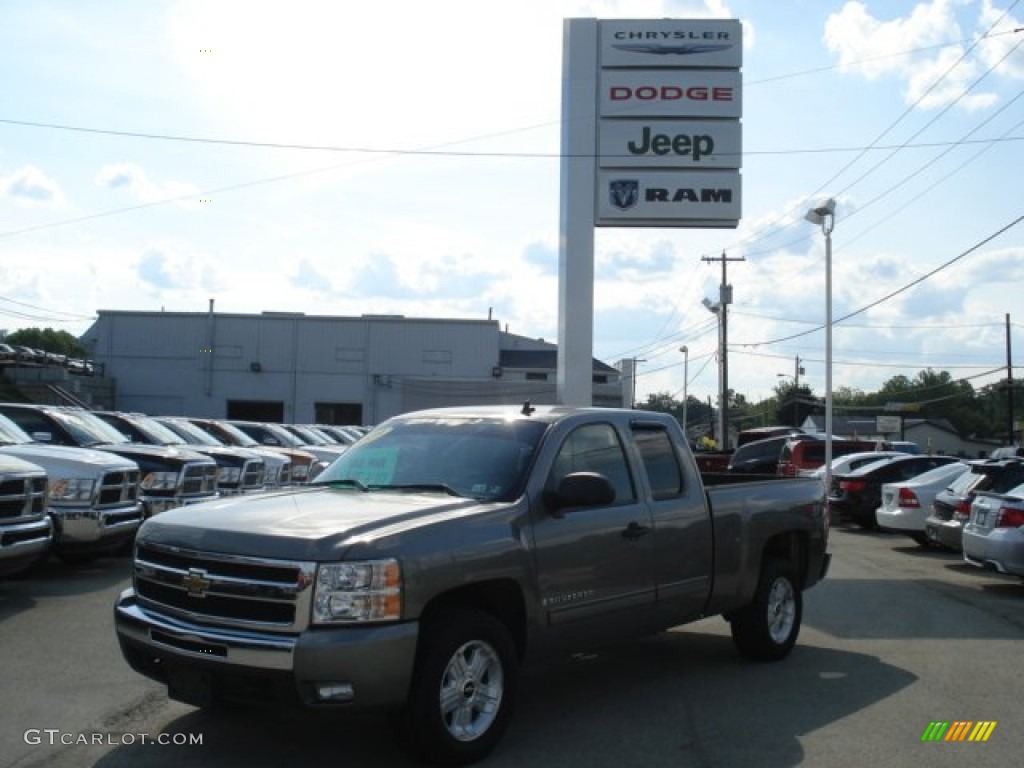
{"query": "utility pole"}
[(797, 370), (721, 309), (1010, 389)]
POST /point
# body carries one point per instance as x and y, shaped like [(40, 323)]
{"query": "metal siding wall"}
[(158, 365), (402, 348)]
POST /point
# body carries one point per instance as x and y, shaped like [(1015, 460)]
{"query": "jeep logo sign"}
[(669, 144)]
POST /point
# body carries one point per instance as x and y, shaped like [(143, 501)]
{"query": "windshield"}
[(155, 432), (484, 459), (234, 435), (192, 434), (306, 435), (11, 433), (87, 429)]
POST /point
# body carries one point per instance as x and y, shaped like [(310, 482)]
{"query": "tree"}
[(48, 340), (697, 412), (793, 403)]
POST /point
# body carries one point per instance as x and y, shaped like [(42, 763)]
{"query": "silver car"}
[(994, 535), (907, 504)]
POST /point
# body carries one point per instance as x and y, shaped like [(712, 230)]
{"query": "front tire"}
[(767, 628), (463, 688)]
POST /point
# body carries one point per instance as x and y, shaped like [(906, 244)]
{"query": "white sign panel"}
[(670, 93), (669, 144), (672, 43), (681, 198)]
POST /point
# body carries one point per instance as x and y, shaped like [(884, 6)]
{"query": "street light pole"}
[(686, 380), (825, 217), (632, 375)]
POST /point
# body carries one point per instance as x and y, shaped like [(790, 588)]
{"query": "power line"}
[(896, 292)]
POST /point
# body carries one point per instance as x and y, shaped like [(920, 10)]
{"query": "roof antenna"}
[(527, 409)]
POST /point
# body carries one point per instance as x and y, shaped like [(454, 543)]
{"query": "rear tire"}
[(463, 687), (922, 540), (767, 628)]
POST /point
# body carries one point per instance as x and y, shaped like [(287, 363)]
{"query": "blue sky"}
[(402, 157)]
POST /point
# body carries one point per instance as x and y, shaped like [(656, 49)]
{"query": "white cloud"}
[(929, 66), (1003, 38), (30, 185), (165, 271), (134, 178)]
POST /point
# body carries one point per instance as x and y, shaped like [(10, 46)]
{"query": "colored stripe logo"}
[(958, 730)]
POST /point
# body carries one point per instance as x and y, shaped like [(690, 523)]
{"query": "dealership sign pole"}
[(651, 137)]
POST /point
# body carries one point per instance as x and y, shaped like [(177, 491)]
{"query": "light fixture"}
[(824, 217)]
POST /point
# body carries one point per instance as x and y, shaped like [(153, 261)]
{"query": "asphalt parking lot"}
[(895, 639)]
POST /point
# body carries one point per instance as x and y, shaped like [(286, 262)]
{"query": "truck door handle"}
[(634, 531)]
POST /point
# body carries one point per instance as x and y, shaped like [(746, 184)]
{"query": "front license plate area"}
[(190, 686)]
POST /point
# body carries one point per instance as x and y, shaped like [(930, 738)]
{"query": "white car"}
[(906, 506), (852, 461)]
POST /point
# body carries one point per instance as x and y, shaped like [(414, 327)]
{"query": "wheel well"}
[(502, 598), (791, 547)]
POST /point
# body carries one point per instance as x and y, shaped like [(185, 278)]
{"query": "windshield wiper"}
[(346, 481), (442, 487)]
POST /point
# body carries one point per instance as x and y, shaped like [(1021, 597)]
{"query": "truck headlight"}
[(72, 489), (350, 593), (160, 481)]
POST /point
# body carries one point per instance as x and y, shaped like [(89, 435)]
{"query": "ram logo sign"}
[(653, 199)]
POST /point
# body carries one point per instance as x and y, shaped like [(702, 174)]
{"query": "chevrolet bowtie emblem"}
[(196, 583)]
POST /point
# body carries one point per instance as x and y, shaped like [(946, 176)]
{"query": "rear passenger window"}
[(660, 463)]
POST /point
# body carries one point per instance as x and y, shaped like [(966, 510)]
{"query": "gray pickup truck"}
[(447, 548), (26, 530)]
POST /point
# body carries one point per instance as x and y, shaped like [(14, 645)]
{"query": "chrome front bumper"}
[(88, 526), (374, 662)]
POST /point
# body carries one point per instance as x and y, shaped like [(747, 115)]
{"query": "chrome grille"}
[(225, 590), (118, 489), (199, 479), (22, 495), (252, 474)]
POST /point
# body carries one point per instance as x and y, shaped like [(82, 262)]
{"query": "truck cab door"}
[(594, 563)]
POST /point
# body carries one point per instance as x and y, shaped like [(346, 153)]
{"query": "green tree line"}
[(983, 412), (48, 340)]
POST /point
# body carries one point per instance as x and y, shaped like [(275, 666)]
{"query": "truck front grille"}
[(225, 590), (252, 474), (22, 496), (118, 489), (199, 480)]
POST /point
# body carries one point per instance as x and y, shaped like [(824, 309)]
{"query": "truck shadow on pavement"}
[(52, 578), (676, 699)]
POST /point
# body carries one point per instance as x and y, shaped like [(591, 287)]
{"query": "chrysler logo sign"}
[(678, 50)]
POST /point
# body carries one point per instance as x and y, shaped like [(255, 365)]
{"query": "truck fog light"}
[(335, 691)]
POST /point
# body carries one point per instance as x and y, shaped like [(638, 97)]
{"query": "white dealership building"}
[(297, 368)]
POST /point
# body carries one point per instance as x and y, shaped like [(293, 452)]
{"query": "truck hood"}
[(303, 524), (64, 461), (165, 454)]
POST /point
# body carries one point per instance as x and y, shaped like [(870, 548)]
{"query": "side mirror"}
[(580, 489)]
